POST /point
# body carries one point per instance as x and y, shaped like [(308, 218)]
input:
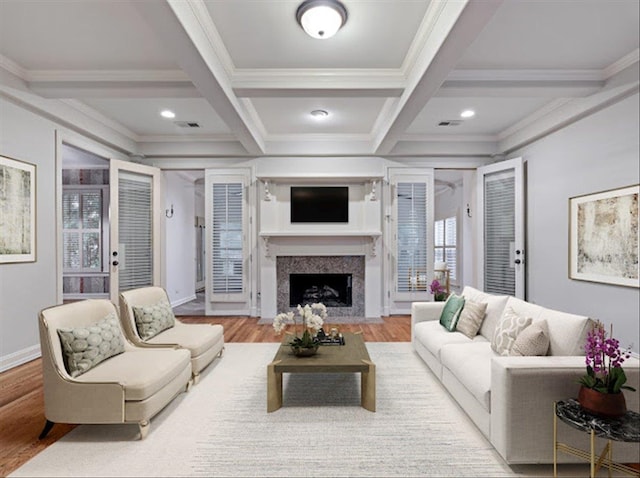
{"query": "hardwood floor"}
[(22, 400)]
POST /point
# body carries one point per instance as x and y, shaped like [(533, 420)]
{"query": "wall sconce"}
[(468, 210), (169, 212)]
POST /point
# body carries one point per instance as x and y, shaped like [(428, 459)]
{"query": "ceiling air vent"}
[(186, 124), (450, 123)]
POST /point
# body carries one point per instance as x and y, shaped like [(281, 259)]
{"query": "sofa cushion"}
[(434, 336), (153, 319), (508, 329), (567, 332), (471, 318), (534, 340), (143, 372), (85, 347), (495, 307), (451, 312), (471, 365), (198, 338)]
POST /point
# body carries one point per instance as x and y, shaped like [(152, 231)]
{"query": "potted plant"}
[(601, 391), (438, 291), (312, 317)]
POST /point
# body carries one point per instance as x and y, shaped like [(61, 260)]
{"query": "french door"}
[(135, 229), (501, 216)]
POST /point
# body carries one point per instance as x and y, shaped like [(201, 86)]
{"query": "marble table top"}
[(625, 428)]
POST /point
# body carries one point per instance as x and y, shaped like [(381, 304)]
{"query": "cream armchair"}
[(204, 341), (129, 387)]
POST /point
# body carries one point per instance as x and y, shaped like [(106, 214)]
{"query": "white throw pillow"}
[(534, 340), (510, 325)]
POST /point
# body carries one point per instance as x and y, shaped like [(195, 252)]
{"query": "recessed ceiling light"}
[(167, 114), (319, 114), (467, 114)]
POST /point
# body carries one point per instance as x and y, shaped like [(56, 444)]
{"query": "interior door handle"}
[(115, 263)]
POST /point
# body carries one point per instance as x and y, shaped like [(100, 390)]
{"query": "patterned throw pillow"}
[(534, 340), (511, 324), (471, 318), (153, 319), (451, 312), (85, 347)]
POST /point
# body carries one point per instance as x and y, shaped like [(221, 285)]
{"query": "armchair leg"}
[(196, 378), (221, 353), (144, 428), (47, 428), (189, 385)]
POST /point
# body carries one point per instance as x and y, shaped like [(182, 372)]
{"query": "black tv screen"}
[(319, 204)]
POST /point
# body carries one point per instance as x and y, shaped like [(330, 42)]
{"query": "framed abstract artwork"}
[(603, 237), (17, 211)]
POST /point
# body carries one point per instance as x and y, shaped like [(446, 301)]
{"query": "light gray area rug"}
[(221, 428)]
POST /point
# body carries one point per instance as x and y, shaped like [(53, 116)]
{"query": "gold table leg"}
[(274, 388), (368, 387), (555, 442)]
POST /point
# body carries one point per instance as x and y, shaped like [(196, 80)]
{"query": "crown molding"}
[(108, 75), (533, 117), (13, 67), (438, 138), (622, 64), (526, 75), (100, 118), (174, 138)]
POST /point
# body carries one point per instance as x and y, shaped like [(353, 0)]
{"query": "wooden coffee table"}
[(352, 357)]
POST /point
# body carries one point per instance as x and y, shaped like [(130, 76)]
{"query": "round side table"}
[(625, 428)]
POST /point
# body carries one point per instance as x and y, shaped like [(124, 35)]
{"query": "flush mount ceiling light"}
[(467, 114), (321, 18), (319, 114), (167, 114)]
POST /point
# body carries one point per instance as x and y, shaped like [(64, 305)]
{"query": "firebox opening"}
[(333, 290)]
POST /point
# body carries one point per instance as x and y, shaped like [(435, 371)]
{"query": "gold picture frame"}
[(17, 211), (603, 237)]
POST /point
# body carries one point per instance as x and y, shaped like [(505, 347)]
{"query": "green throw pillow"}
[(153, 319), (451, 312), (85, 347)]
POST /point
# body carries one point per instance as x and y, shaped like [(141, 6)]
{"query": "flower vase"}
[(607, 405)]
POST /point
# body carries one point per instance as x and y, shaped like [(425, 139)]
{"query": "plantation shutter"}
[(135, 233), (412, 249), (228, 241), (451, 245), (499, 233), (82, 229)]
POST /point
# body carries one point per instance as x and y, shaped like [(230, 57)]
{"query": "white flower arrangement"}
[(312, 317)]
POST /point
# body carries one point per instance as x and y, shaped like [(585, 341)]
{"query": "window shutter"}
[(499, 275), (135, 235), (450, 243), (411, 237), (227, 261)]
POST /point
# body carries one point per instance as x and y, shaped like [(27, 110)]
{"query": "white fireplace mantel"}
[(267, 235)]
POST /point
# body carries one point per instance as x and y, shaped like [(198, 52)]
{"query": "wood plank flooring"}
[(22, 400)]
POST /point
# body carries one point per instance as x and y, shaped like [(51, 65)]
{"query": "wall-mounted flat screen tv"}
[(319, 204)]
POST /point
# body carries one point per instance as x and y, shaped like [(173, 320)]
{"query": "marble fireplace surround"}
[(354, 265)]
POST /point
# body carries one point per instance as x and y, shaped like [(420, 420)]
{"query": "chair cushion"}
[(508, 329), (85, 347), (471, 318), (142, 372), (532, 341), (153, 319), (197, 338), (451, 312)]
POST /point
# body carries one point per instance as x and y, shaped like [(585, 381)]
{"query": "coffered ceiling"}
[(242, 77)]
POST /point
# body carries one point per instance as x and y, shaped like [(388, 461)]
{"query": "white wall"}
[(26, 288), (595, 154), (180, 238)]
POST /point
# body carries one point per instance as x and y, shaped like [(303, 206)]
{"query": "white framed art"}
[(17, 211), (603, 237)]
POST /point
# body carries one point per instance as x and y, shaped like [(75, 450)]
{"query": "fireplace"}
[(333, 290)]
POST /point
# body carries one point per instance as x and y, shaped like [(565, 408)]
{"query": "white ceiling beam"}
[(455, 26), (186, 32)]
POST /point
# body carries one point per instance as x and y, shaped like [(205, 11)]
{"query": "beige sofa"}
[(204, 341), (130, 387), (510, 398)]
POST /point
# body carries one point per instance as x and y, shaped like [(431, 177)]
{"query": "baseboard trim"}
[(183, 301), (18, 358)]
